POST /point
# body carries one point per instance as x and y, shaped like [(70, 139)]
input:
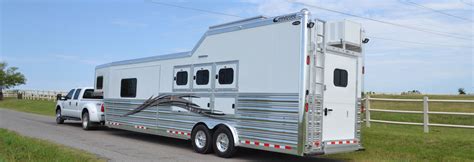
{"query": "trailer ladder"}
[(317, 87)]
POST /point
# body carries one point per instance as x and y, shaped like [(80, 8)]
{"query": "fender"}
[(94, 113), (210, 124)]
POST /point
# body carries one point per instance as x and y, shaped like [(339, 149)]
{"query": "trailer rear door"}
[(339, 108)]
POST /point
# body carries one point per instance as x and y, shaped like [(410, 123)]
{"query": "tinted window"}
[(69, 95), (226, 76), (99, 82), (128, 87), (202, 77), (182, 78), (89, 94), (76, 95), (340, 78)]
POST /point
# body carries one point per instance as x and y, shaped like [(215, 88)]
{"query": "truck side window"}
[(99, 82), (340, 78), (69, 95), (128, 87), (202, 77), (182, 78), (76, 95), (226, 76)]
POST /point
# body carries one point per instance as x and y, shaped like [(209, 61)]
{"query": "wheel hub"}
[(200, 139), (222, 142)]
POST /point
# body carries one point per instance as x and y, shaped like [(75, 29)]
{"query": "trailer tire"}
[(86, 122), (59, 118), (223, 142), (201, 138)]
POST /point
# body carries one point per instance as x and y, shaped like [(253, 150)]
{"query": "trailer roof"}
[(217, 29)]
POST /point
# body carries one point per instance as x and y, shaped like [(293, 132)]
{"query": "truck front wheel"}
[(59, 118)]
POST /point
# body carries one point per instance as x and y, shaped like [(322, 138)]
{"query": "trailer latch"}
[(326, 111)]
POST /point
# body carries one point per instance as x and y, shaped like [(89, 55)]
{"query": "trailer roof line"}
[(247, 20)]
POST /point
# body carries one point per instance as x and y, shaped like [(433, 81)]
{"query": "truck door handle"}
[(76, 103), (69, 103), (326, 111)]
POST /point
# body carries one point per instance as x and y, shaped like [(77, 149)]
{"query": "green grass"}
[(14, 147), (30, 106), (383, 142), (388, 142)]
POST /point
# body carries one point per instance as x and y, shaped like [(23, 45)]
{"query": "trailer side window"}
[(340, 78), (128, 87), (99, 82), (202, 77), (226, 76), (181, 78)]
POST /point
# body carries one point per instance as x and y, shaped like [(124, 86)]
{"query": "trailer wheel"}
[(223, 142), (59, 118), (201, 139), (86, 123)]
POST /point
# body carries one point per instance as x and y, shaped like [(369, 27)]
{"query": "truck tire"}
[(201, 139), (59, 118), (223, 142), (86, 123)]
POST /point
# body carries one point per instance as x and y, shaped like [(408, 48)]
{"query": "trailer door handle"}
[(326, 111)]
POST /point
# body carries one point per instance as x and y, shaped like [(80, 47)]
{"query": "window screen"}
[(99, 83), (340, 78), (202, 77), (128, 87), (69, 95), (226, 76), (181, 78), (76, 95)]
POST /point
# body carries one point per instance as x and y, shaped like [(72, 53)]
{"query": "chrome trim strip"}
[(302, 82)]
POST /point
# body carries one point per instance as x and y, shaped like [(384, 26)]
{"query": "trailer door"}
[(339, 107)]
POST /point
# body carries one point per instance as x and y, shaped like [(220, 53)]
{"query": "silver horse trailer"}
[(288, 84)]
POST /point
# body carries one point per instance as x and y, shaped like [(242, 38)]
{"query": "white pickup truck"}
[(81, 104)]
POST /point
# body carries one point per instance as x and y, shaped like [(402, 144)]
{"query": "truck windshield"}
[(89, 94)]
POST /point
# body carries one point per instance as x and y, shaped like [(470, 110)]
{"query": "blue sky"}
[(57, 44)]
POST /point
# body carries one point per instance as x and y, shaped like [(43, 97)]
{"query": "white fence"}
[(34, 94), (425, 112)]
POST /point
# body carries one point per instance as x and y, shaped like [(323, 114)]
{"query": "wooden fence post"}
[(425, 114), (367, 111)]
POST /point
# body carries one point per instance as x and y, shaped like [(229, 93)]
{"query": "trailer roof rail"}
[(246, 20)]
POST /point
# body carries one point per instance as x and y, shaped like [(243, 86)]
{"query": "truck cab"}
[(80, 104)]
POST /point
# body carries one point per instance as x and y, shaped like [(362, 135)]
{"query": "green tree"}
[(461, 91), (9, 77)]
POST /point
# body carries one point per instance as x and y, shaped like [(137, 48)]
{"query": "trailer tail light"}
[(102, 108), (306, 105), (308, 60), (362, 108)]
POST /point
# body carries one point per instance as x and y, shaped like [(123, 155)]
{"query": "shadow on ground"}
[(242, 153)]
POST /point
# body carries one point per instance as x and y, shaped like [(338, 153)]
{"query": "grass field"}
[(30, 106), (383, 142), (14, 147), (408, 143)]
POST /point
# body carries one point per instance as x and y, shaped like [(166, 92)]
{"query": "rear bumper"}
[(336, 148)]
